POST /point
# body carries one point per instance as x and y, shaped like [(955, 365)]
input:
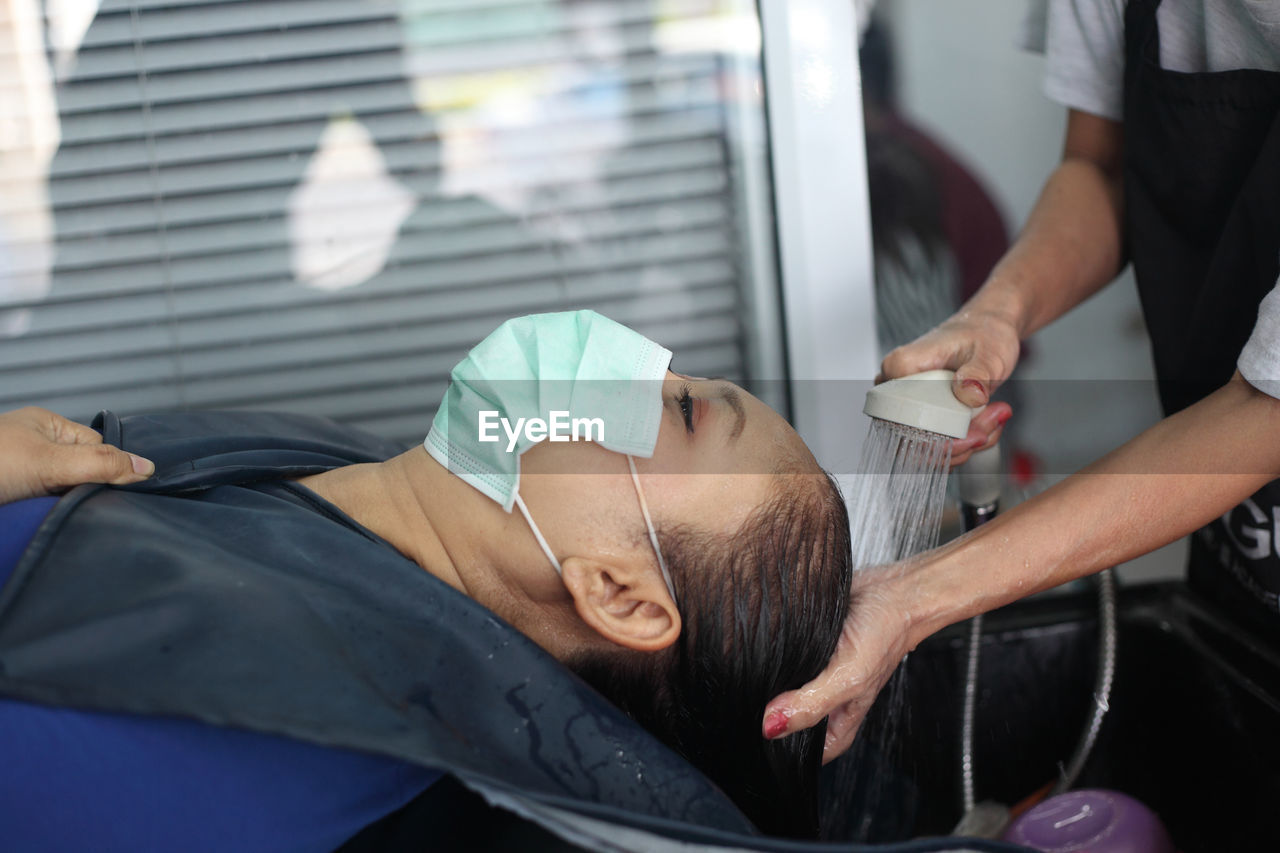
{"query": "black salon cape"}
[(219, 591)]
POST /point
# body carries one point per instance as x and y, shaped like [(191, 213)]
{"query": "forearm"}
[(1071, 244), (1167, 482)]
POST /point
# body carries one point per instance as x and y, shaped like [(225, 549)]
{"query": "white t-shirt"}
[(1083, 43), (1259, 361)]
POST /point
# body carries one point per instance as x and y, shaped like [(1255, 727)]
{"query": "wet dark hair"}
[(762, 611)]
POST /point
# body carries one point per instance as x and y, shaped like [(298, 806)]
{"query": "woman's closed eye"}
[(686, 402)]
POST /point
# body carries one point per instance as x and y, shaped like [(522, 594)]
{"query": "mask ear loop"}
[(648, 523), (537, 534), (653, 534)]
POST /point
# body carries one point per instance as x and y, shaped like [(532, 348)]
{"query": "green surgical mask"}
[(578, 374)]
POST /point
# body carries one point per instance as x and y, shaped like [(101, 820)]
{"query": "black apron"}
[(1202, 220)]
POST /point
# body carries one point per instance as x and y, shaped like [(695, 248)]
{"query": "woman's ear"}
[(628, 605)]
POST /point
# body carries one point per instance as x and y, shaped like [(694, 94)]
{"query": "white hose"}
[(1101, 694), (1103, 682), (970, 704)]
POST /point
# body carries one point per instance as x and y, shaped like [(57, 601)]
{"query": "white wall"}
[(962, 76)]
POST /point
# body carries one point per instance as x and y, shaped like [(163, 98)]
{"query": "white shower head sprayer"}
[(923, 401)]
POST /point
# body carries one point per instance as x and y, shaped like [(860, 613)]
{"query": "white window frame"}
[(814, 97)]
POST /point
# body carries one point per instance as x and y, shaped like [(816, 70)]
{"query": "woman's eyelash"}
[(686, 406)]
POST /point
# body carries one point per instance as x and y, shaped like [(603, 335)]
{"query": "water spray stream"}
[(895, 512)]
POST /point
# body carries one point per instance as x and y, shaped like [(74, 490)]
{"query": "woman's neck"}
[(383, 499), (454, 532)]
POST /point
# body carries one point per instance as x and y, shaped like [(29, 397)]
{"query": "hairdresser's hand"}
[(982, 348), (984, 432), (42, 453), (874, 641)]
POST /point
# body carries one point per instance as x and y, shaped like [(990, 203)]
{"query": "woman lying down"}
[(188, 652)]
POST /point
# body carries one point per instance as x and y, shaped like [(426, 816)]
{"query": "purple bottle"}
[(1090, 820)]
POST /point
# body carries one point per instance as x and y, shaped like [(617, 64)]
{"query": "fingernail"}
[(142, 466), (1003, 417), (975, 384), (775, 725)]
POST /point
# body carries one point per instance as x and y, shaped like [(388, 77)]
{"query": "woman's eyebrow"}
[(734, 400)]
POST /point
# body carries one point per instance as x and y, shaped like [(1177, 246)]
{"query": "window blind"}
[(318, 206)]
